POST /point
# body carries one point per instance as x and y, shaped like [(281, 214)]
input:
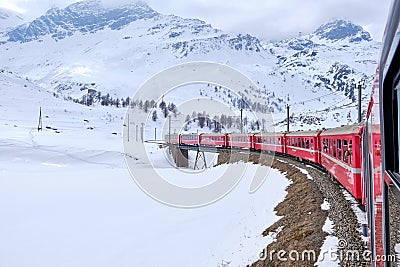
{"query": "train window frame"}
[(397, 138), (346, 152), (339, 149), (351, 151), (334, 148)]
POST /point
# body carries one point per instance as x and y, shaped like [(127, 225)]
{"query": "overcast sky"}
[(267, 19)]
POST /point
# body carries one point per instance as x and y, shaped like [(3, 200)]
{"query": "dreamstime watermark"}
[(151, 180), (338, 254)]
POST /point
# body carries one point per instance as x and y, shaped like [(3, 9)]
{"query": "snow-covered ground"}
[(67, 198)]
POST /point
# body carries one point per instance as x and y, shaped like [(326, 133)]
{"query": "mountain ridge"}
[(69, 58)]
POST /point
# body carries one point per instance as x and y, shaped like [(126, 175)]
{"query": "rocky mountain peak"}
[(85, 17), (342, 29)]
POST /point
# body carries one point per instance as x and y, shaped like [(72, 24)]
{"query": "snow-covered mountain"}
[(114, 50), (332, 59), (9, 19), (84, 17)]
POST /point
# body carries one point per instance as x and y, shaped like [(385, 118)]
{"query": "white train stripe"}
[(352, 170), (304, 149)]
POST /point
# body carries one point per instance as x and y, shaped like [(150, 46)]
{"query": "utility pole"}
[(137, 133), (141, 132), (155, 133), (40, 120), (359, 101), (288, 111), (169, 129), (128, 127), (288, 114), (241, 120)]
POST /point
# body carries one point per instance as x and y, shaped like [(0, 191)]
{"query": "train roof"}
[(348, 129), (276, 134), (241, 134), (212, 134), (304, 133)]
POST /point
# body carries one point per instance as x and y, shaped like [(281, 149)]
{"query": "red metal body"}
[(303, 145), (270, 142), (190, 139), (341, 156), (218, 140), (240, 140)]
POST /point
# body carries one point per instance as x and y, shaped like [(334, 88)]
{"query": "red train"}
[(337, 150)]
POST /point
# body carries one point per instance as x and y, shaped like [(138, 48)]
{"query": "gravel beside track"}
[(302, 219)]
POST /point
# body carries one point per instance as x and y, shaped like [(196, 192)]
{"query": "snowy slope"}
[(67, 199)]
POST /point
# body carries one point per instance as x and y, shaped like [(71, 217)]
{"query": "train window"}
[(307, 143), (298, 142), (345, 151), (333, 148), (350, 151), (339, 149)]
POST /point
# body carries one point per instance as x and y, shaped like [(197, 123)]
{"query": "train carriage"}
[(218, 140), (190, 139), (341, 156), (173, 138), (273, 142), (304, 145), (240, 140)]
